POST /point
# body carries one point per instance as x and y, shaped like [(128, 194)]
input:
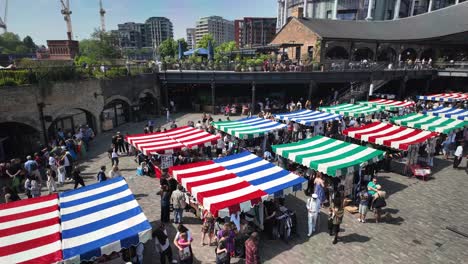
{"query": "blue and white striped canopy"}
[(455, 113), (99, 219), (444, 97), (308, 117)]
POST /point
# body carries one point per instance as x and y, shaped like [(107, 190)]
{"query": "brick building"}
[(254, 31), (62, 49)]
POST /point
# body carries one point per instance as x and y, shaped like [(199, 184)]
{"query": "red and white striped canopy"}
[(172, 140), (389, 135), (30, 231), (386, 104)]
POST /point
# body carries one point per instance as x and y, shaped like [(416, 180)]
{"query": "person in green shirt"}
[(372, 186)]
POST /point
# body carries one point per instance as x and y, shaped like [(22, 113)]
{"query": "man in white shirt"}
[(458, 155), (199, 125), (220, 145), (313, 211)]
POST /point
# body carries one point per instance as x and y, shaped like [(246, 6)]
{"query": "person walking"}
[(251, 249), (114, 156), (363, 204), (35, 187), (338, 213), (67, 161), (165, 203), (378, 202), (101, 176), (114, 172), (184, 245), (162, 245), (77, 177), (120, 143), (458, 155), (313, 209), (27, 186), (207, 227), (178, 203), (51, 175)]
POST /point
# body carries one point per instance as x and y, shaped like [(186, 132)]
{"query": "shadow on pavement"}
[(350, 238), (390, 187)]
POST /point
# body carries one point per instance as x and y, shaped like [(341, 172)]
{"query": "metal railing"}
[(452, 65)]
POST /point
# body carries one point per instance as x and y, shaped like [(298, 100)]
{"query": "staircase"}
[(359, 90)]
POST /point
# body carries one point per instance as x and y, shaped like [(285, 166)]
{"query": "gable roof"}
[(443, 22)]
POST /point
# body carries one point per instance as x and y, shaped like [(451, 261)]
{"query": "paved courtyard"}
[(414, 229)]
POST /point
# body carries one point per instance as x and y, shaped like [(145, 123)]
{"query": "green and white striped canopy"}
[(430, 123), (248, 127), (351, 110), (330, 156)]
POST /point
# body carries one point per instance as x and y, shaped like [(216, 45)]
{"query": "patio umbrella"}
[(180, 50), (210, 51)]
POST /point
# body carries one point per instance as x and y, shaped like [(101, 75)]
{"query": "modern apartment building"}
[(358, 9), (254, 31), (221, 29), (190, 38), (144, 35)]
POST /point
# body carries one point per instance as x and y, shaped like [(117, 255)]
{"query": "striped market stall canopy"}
[(444, 97), (172, 140), (329, 156), (99, 219), (248, 128), (431, 123), (389, 135), (30, 231), (236, 182), (455, 113), (390, 105), (308, 117), (351, 110)]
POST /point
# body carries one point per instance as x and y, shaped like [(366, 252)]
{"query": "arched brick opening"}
[(17, 140), (337, 53)]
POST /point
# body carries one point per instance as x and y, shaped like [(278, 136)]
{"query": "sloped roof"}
[(443, 22)]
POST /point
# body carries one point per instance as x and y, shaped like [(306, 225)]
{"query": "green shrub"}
[(8, 81)]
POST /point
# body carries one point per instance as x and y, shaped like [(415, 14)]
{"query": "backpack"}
[(102, 175), (34, 166)]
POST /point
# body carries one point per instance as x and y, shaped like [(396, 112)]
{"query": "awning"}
[(199, 51), (456, 113), (431, 123), (99, 219), (350, 110), (444, 97), (172, 140), (390, 105), (30, 231), (236, 182), (329, 156), (247, 128), (308, 117), (389, 135)]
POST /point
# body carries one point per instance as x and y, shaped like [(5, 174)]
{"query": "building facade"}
[(221, 29), (358, 9), (144, 35), (191, 43), (254, 31)]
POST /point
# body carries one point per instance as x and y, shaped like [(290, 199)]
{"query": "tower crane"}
[(66, 12), (3, 21), (102, 12)]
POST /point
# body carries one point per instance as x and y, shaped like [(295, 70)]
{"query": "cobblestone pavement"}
[(414, 229)]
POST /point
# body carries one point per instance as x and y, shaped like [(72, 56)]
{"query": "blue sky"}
[(42, 20)]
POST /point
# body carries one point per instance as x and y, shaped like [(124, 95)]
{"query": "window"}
[(329, 14)]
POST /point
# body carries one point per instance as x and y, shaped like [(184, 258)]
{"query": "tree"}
[(168, 48), (99, 48), (226, 47), (29, 44), (11, 43), (203, 43), (184, 45)]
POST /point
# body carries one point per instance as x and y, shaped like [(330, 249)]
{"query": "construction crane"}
[(3, 21), (66, 12), (102, 12)]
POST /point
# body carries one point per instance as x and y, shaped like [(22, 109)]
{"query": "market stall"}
[(330, 156), (455, 113), (99, 219), (248, 128), (430, 123), (389, 135), (235, 183), (172, 140), (30, 231), (352, 110), (444, 97), (307, 117), (389, 105)]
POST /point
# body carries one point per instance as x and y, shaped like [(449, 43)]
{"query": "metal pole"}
[(253, 99), (396, 11), (335, 9), (213, 88), (369, 10)]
